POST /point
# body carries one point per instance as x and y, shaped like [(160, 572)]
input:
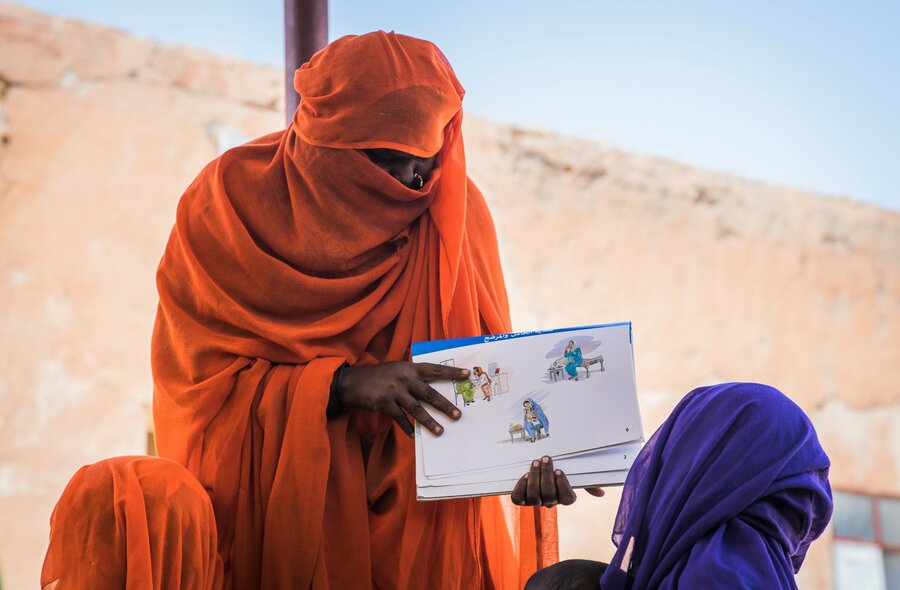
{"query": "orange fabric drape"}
[(293, 254), (138, 523)]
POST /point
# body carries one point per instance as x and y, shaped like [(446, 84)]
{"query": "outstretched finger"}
[(598, 492), (564, 490), (400, 418), (435, 372), (427, 393), (549, 495), (420, 415), (518, 494), (533, 485)]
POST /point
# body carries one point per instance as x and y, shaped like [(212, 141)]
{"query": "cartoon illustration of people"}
[(535, 420), (466, 390), (483, 382), (573, 359)]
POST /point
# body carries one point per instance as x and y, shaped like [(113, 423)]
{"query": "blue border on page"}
[(436, 345)]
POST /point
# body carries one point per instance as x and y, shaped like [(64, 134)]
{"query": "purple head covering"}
[(729, 492)]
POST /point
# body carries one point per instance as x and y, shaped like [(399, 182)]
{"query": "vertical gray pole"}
[(305, 32)]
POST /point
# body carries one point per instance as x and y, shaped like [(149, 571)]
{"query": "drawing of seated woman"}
[(466, 389), (483, 382), (535, 420), (573, 359)]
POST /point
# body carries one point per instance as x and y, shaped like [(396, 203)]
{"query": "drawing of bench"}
[(557, 369)]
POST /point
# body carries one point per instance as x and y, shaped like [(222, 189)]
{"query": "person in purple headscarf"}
[(728, 493)]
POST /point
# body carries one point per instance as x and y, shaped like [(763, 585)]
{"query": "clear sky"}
[(803, 93)]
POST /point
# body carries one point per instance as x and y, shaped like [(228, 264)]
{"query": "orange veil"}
[(293, 254), (137, 523)]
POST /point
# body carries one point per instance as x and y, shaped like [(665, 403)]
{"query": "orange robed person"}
[(133, 523), (301, 267)]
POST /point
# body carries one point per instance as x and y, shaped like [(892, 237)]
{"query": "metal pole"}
[(305, 32)]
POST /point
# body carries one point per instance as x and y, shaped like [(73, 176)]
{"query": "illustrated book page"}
[(565, 393)]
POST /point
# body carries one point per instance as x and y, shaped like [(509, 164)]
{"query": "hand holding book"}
[(398, 387), (545, 486)]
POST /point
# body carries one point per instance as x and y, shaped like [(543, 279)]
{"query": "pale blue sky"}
[(803, 93)]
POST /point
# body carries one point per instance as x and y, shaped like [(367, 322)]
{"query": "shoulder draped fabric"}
[(293, 254), (728, 493), (137, 523)]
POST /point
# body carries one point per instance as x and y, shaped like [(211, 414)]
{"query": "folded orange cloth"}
[(137, 523)]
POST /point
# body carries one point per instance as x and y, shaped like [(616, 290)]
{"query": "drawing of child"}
[(482, 381), (573, 360), (535, 420)]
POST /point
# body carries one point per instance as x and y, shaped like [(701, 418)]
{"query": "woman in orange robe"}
[(296, 255)]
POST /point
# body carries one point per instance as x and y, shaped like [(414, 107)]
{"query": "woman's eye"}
[(388, 159)]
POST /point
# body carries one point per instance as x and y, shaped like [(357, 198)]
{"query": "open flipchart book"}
[(568, 393)]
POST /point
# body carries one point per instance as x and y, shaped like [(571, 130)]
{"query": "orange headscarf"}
[(137, 523), (293, 254)]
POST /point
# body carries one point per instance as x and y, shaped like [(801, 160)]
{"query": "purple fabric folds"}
[(728, 493)]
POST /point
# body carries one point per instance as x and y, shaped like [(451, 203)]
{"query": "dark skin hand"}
[(398, 389), (402, 166), (545, 486)]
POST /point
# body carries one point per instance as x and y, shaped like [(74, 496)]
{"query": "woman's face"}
[(409, 170), (527, 405)]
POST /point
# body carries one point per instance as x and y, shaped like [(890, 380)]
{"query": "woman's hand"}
[(396, 387), (544, 486)]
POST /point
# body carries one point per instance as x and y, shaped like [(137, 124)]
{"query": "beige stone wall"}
[(724, 278)]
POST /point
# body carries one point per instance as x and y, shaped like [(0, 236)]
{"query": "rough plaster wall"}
[(724, 278)]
